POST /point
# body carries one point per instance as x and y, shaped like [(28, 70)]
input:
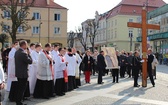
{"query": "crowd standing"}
[(50, 71)]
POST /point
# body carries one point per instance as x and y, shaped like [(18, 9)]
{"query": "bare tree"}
[(71, 39), (17, 12), (81, 37), (3, 38), (93, 27)]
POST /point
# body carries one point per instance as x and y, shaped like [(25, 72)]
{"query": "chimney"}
[(48, 2)]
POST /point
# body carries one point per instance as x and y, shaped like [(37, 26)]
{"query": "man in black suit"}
[(149, 66), (101, 66), (22, 59)]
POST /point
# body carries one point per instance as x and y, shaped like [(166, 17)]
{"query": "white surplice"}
[(2, 76), (11, 68), (59, 66), (33, 71), (54, 56), (71, 64), (79, 60)]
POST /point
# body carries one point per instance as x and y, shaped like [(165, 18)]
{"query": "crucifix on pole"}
[(144, 26)]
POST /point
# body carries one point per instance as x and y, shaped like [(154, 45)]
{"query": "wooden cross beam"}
[(144, 26)]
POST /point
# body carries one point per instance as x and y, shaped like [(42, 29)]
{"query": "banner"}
[(110, 57)]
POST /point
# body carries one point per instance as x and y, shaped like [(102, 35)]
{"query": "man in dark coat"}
[(136, 65), (101, 66), (149, 66), (123, 63), (130, 64), (22, 59)]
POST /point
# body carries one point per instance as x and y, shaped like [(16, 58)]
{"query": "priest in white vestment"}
[(11, 66), (33, 71)]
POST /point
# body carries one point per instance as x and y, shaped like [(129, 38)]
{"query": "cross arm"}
[(151, 26), (134, 25)]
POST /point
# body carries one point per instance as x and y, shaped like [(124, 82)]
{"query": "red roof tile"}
[(42, 4), (152, 3), (134, 7)]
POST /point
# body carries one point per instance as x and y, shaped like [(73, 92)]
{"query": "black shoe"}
[(113, 82), (19, 103), (45, 97), (59, 94), (136, 85), (153, 85), (117, 82), (53, 95)]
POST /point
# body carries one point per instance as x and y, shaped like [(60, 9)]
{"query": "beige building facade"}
[(49, 24)]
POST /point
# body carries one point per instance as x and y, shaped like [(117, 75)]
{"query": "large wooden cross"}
[(144, 26)]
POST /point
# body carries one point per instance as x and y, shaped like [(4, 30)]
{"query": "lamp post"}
[(131, 36), (40, 31)]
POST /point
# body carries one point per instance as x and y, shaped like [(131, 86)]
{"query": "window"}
[(112, 24), (6, 14), (21, 1), (36, 15), (21, 15), (115, 33), (130, 33), (130, 20), (111, 34), (20, 29), (5, 28), (56, 30), (57, 17), (35, 30), (115, 22)]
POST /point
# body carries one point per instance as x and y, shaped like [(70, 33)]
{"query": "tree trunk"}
[(13, 36), (92, 44), (2, 45)]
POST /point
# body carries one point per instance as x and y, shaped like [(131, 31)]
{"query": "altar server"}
[(33, 70), (70, 58), (60, 66)]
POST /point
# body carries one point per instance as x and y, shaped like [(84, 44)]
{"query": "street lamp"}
[(130, 36), (40, 31)]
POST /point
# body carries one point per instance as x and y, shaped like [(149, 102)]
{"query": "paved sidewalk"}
[(122, 93)]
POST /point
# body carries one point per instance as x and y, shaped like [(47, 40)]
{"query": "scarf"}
[(51, 66)]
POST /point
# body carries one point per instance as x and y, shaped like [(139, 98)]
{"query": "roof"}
[(132, 7), (41, 4), (158, 11), (152, 3)]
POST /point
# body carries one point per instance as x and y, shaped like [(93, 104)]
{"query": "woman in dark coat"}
[(88, 63)]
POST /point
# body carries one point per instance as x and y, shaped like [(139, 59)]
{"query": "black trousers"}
[(115, 75), (59, 86), (129, 70), (43, 89), (100, 74), (70, 83), (21, 88), (151, 76), (122, 71), (136, 75)]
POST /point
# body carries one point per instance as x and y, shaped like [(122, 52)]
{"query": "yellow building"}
[(49, 24), (118, 34)]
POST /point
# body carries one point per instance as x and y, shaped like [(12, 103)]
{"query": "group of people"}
[(53, 70), (43, 73), (131, 63)]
